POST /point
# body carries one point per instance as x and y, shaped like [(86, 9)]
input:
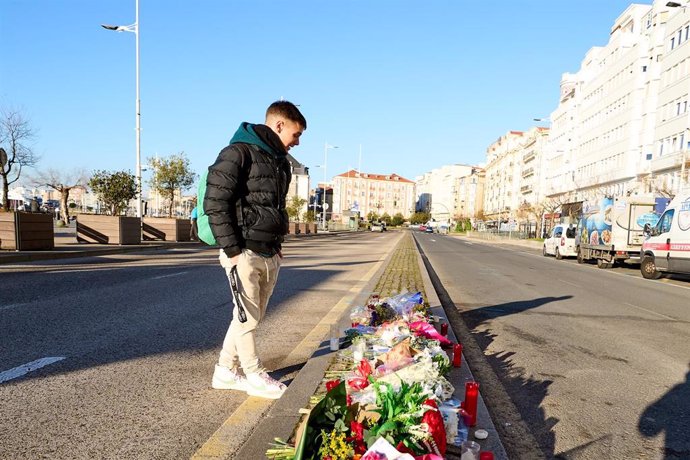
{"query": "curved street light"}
[(134, 28)]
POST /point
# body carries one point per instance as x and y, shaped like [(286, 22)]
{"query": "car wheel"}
[(558, 254), (648, 268), (544, 251), (601, 263), (580, 258)]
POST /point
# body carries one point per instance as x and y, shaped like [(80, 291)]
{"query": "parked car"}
[(429, 229), (378, 226), (422, 228), (561, 242)]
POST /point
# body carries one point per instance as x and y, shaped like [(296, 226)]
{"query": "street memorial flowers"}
[(386, 396)]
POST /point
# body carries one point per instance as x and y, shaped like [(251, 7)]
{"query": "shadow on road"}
[(114, 312), (526, 392), (527, 433), (670, 414)]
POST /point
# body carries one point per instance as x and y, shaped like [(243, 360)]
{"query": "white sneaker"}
[(264, 386), (225, 378)]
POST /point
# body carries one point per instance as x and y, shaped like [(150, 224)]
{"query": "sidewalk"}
[(67, 247), (402, 270)]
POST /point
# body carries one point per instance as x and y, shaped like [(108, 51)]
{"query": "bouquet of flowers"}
[(391, 399)]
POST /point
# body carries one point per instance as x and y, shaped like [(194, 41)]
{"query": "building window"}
[(673, 42), (687, 32)]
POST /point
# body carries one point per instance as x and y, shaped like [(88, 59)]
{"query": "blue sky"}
[(416, 84)]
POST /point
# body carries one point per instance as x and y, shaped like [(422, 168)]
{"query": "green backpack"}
[(204, 228)]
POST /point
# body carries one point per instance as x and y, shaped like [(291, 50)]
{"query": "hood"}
[(261, 136)]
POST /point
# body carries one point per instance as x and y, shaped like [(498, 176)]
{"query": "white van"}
[(667, 247), (560, 242)]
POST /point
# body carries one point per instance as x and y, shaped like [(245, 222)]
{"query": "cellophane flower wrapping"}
[(393, 393)]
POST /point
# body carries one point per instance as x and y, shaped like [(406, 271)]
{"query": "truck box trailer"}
[(611, 230)]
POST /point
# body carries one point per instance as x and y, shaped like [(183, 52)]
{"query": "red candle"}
[(444, 329), (470, 403), (486, 456), (457, 355)]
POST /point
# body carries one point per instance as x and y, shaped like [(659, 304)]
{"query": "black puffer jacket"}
[(246, 190)]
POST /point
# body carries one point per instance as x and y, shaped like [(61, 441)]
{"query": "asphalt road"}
[(128, 343), (596, 361)]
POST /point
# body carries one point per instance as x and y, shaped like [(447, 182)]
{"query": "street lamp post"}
[(682, 180), (325, 166), (134, 28)]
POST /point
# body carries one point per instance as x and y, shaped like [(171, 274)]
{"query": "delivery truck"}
[(611, 230), (666, 248)]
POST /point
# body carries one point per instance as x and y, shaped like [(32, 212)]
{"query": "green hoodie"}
[(265, 139)]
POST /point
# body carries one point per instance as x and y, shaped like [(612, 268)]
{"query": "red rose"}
[(332, 384)]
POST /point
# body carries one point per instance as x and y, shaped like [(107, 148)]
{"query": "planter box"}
[(304, 228), (293, 228), (108, 229), (166, 229), (313, 227), (25, 231)]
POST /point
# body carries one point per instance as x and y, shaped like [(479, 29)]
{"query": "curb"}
[(513, 429), (463, 374)]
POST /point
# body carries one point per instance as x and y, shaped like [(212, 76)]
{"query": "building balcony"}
[(525, 189), (666, 162), (529, 156), (528, 172)]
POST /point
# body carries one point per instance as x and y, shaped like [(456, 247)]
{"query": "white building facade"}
[(438, 191), (672, 133), (622, 120)]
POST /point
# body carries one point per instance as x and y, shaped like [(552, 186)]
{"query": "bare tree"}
[(62, 182), (15, 135)]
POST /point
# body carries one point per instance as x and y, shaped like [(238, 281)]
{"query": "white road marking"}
[(28, 367), (572, 284), (168, 276), (433, 240), (12, 305), (650, 311)]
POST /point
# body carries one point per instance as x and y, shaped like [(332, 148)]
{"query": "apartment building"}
[(469, 194), (672, 130), (447, 192), (502, 186), (603, 130), (356, 191)]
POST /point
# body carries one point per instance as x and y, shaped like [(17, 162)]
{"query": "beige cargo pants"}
[(257, 279)]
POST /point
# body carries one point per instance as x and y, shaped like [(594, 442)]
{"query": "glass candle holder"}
[(444, 329), (335, 337)]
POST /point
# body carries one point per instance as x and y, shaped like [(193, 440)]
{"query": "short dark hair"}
[(288, 110)]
